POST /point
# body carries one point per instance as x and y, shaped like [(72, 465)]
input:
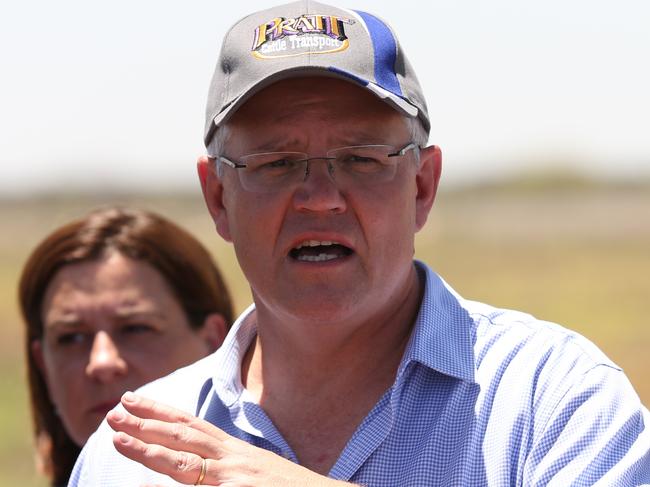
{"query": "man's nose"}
[(105, 362), (318, 190), (328, 163)]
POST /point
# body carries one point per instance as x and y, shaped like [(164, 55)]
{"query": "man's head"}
[(307, 38), (321, 184)]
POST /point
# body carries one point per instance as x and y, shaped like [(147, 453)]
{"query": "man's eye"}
[(360, 158), (277, 166), (362, 163), (280, 163)]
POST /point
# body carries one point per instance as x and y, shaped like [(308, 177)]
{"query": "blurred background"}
[(542, 111)]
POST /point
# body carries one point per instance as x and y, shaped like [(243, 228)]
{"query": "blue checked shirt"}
[(482, 397)]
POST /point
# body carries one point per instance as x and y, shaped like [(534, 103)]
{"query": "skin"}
[(378, 224), (174, 443), (330, 334), (110, 326)]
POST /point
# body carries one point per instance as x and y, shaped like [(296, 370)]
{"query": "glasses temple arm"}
[(405, 149), (230, 163)]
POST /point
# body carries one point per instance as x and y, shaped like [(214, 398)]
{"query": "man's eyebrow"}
[(353, 137), (275, 144), (361, 138)]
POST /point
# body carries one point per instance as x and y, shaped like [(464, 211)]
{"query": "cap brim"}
[(396, 102)]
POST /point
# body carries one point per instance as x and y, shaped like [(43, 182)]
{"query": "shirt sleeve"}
[(598, 434), (78, 477), (101, 465)]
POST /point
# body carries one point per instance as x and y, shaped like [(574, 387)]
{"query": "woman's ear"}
[(36, 347), (213, 331)]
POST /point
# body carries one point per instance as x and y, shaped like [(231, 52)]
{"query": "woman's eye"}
[(70, 338), (137, 328)]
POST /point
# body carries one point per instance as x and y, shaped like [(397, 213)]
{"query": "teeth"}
[(315, 243), (317, 258)]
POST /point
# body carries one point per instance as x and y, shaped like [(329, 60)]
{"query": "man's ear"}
[(212, 188), (427, 179), (213, 331)]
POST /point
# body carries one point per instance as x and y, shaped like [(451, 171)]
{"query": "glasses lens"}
[(360, 165), (365, 164), (271, 171)]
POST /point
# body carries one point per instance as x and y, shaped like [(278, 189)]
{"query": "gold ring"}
[(204, 469)]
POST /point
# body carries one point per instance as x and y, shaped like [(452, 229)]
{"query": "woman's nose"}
[(105, 363)]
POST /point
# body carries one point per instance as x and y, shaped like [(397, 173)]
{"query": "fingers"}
[(178, 450), (147, 409), (182, 466), (175, 436)]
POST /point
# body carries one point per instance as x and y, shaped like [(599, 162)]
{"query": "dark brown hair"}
[(185, 264)]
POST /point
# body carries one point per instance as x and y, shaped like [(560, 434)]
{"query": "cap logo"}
[(307, 34)]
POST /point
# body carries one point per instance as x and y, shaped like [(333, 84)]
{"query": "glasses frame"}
[(398, 153), (306, 161)]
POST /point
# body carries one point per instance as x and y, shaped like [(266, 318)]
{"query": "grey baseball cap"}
[(308, 38)]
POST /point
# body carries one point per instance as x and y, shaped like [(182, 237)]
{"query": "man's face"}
[(369, 230)]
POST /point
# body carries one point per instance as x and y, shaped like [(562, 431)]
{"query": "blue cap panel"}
[(385, 49), (347, 74)]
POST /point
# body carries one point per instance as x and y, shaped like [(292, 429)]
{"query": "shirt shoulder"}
[(503, 335), (552, 405)]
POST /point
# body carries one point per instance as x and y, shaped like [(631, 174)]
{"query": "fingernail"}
[(129, 397), (116, 415), (123, 438)]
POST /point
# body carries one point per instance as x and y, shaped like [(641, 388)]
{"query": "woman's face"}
[(110, 326)]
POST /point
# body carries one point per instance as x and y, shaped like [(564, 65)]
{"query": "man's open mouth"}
[(319, 251)]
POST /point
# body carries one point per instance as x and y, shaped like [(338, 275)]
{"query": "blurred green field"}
[(566, 251)]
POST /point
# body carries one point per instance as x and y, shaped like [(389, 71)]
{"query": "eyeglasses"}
[(354, 166)]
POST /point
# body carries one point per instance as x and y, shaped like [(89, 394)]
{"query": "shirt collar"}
[(227, 373), (442, 339), (443, 334)]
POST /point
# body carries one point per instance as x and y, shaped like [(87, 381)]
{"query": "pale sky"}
[(105, 95)]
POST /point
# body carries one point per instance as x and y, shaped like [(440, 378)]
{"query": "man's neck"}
[(299, 352), (317, 383)]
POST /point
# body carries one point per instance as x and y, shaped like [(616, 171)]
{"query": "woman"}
[(111, 302)]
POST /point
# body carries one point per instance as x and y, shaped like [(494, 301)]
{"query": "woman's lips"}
[(104, 407)]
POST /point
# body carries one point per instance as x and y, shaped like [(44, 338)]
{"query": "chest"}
[(434, 432), (318, 433)]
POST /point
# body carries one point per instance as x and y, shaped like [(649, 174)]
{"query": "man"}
[(356, 364)]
